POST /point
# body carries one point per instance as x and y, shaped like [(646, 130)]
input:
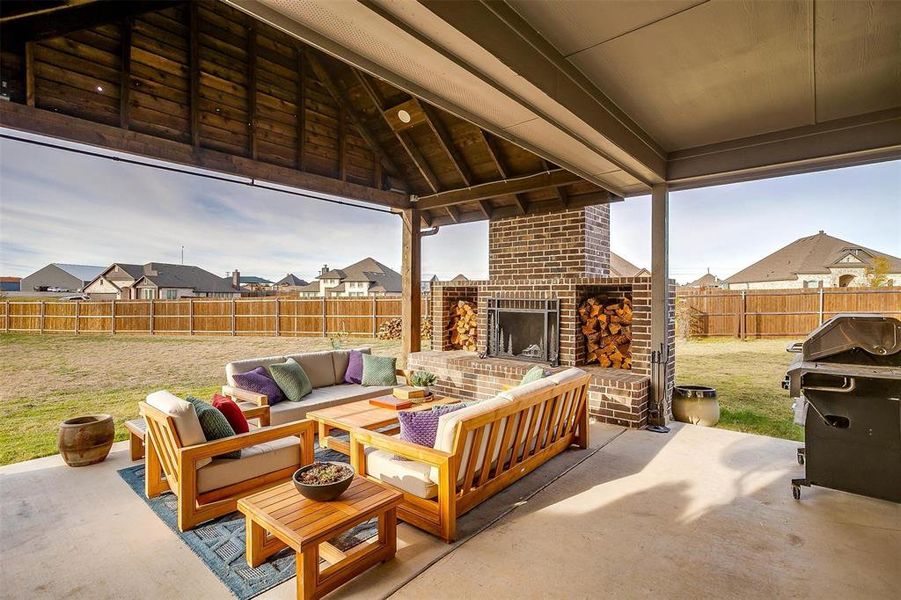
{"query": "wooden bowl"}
[(324, 492)]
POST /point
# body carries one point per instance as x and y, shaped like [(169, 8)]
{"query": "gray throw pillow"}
[(379, 370), (291, 379), (214, 424)]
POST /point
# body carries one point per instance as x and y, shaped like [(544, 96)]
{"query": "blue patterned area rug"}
[(220, 543)]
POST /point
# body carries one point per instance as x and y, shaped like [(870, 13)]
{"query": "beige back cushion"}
[(183, 415), (567, 376), (340, 359), (243, 366), (319, 367)]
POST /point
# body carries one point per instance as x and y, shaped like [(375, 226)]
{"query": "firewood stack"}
[(462, 324), (391, 330), (607, 327)]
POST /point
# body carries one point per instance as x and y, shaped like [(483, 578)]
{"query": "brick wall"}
[(572, 243)]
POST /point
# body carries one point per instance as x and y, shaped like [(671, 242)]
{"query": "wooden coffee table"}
[(360, 414), (280, 517)]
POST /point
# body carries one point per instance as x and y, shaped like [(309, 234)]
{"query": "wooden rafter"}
[(194, 72), (252, 86), (453, 213), (322, 74), (485, 191), (125, 74), (403, 137), (447, 144), (494, 153), (485, 207)]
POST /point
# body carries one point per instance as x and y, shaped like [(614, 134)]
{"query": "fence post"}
[(277, 316), (744, 315), (7, 316), (375, 328), (42, 316), (821, 294), (234, 317), (324, 320), (151, 315), (77, 314), (190, 316), (113, 316)]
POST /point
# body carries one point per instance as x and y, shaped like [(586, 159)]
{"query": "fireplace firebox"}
[(524, 329)]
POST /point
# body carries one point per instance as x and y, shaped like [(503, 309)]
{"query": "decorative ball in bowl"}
[(323, 481)]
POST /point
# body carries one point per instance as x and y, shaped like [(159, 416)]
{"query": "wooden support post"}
[(324, 319), (125, 75), (42, 316), (190, 316), (151, 315), (77, 314), (234, 316), (659, 297), (411, 305), (7, 317), (277, 317), (113, 316)]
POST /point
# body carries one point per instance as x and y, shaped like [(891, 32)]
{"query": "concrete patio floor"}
[(695, 513)]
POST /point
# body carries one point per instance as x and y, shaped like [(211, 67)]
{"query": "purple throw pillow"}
[(354, 373), (421, 427), (260, 382)]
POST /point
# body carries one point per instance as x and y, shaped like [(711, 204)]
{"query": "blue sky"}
[(57, 206)]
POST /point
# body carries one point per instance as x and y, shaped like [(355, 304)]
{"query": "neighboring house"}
[(160, 281), (367, 277), (706, 282), (115, 282), (427, 281), (620, 267), (254, 284), (59, 277), (10, 284), (816, 261), (291, 283)]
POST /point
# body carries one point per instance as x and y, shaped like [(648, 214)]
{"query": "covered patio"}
[(521, 114)]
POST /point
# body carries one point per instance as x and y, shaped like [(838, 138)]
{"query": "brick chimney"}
[(236, 279), (573, 243), (323, 270)]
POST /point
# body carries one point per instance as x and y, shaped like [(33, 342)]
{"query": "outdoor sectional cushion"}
[(319, 367), (291, 379), (232, 413), (187, 425), (333, 395), (244, 366), (255, 461), (258, 380), (342, 361), (410, 476), (533, 374), (379, 370), (214, 424)]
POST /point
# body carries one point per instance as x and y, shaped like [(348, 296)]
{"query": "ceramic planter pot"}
[(86, 440), (696, 404), (324, 492)]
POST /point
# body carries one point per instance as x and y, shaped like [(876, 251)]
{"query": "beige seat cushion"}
[(407, 475), (243, 366), (255, 461), (341, 359), (333, 395), (187, 425), (319, 367)]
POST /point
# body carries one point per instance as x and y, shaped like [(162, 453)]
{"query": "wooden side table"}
[(280, 517)]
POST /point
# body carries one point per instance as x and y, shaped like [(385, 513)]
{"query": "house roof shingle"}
[(812, 254), (83, 272), (620, 267), (165, 275), (292, 280)]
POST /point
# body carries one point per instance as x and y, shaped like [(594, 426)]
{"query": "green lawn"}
[(747, 377), (45, 379)]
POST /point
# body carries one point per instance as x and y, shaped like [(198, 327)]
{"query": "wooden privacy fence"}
[(202, 316), (773, 313)]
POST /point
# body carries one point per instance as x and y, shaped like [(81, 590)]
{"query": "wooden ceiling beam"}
[(537, 208), (493, 152), (484, 191), (321, 73), (447, 144), (522, 203), (453, 213), (486, 208)]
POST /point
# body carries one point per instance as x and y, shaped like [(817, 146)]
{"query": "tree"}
[(878, 273)]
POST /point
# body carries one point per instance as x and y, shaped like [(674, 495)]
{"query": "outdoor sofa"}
[(325, 370), (514, 433)]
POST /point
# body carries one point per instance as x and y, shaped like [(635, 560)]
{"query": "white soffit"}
[(340, 26)]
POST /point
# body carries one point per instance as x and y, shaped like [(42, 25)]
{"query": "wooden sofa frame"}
[(564, 422), (171, 467)]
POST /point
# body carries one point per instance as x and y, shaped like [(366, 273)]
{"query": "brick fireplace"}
[(562, 257)]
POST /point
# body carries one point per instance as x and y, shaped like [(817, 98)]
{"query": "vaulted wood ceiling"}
[(203, 84)]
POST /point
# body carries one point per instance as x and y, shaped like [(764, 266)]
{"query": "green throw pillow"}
[(533, 374), (291, 379), (214, 424), (379, 370)]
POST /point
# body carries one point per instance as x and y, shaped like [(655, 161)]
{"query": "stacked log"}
[(391, 330), (461, 325), (607, 327)]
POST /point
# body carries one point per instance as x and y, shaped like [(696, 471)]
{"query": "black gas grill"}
[(849, 374)]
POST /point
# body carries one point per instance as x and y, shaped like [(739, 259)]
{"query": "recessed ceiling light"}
[(99, 88), (404, 116)]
